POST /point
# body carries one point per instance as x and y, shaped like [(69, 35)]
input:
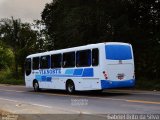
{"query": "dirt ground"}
[(4, 115)]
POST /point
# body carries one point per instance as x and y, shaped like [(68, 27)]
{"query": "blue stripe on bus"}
[(49, 79), (69, 71), (43, 78), (78, 72), (88, 72), (38, 77), (117, 84)]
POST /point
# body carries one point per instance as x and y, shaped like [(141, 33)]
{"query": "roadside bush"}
[(148, 84), (6, 77), (6, 57)]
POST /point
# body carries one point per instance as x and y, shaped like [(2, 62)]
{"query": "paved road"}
[(18, 99)]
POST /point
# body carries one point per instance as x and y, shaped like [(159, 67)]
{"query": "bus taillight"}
[(105, 75)]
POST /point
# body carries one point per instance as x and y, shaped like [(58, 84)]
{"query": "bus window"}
[(45, 62), (69, 59), (35, 63), (28, 66), (56, 60), (83, 58), (95, 57), (118, 52)]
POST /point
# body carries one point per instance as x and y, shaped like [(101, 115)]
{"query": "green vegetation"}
[(80, 22), (6, 56), (7, 77), (17, 40), (70, 23), (147, 84)]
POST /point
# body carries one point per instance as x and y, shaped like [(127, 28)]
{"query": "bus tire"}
[(36, 86), (98, 91), (70, 87)]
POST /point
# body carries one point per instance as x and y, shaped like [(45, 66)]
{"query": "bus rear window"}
[(118, 52)]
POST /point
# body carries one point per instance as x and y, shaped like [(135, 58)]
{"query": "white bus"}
[(90, 67)]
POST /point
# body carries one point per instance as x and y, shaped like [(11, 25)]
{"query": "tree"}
[(78, 22), (19, 37), (6, 57), (43, 42), (145, 34)]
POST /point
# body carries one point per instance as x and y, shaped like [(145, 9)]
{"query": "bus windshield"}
[(118, 52)]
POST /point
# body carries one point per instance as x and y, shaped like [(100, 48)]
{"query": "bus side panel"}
[(59, 83), (87, 84)]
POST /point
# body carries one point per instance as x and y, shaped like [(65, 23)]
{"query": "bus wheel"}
[(98, 91), (70, 88), (36, 86)]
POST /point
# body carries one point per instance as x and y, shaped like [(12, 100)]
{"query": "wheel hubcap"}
[(70, 88), (36, 86)]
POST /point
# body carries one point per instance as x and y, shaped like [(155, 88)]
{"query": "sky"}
[(26, 10)]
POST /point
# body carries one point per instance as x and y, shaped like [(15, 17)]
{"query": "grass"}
[(12, 81), (6, 77)]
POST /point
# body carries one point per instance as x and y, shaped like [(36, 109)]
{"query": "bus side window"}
[(28, 66), (35, 63), (69, 59), (45, 62), (83, 58), (95, 57), (56, 61)]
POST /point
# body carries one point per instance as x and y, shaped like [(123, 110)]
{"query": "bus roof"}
[(89, 46)]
